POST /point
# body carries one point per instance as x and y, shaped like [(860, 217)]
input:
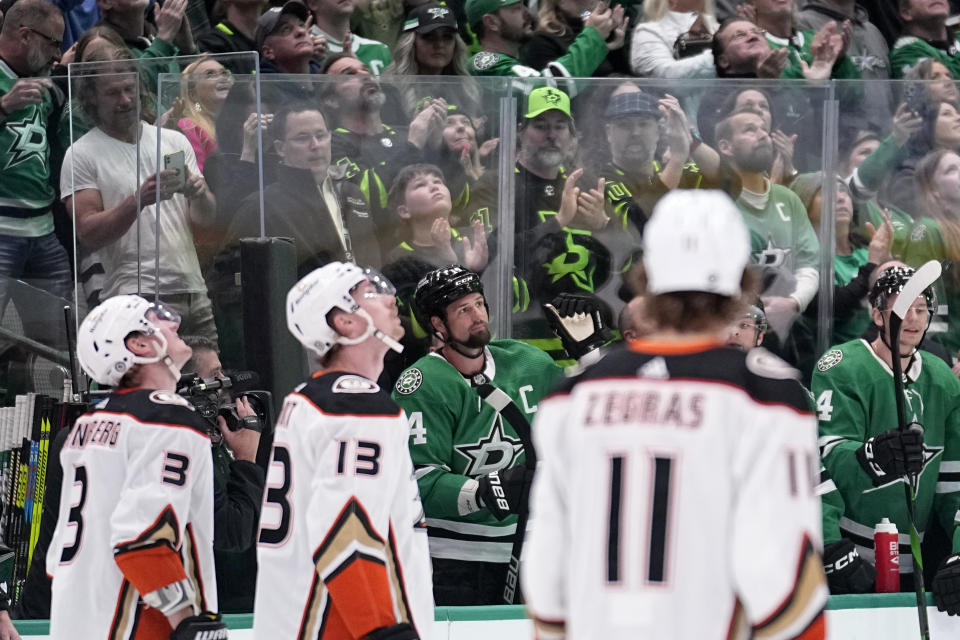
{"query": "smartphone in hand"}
[(176, 161)]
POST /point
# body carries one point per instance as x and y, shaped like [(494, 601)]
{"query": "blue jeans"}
[(42, 263)]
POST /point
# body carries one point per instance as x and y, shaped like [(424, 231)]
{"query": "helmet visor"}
[(159, 311), (375, 284)]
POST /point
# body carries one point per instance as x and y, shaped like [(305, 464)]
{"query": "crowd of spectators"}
[(375, 131)]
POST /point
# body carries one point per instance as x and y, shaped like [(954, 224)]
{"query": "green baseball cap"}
[(545, 99), (476, 9)]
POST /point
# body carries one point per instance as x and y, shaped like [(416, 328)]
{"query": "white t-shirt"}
[(98, 161)]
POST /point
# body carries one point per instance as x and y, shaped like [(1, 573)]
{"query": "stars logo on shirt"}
[(484, 60), (29, 141), (496, 451)]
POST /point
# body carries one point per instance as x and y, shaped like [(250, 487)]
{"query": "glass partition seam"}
[(506, 206), (831, 130)]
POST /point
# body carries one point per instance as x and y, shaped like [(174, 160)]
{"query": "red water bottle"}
[(886, 551)]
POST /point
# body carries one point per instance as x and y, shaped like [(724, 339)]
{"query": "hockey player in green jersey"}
[(868, 457), (467, 453)]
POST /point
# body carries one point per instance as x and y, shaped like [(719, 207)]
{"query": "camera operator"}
[(238, 486), (238, 483)]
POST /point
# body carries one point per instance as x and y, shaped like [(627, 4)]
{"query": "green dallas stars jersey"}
[(854, 396), (25, 189), (455, 436), (582, 58)]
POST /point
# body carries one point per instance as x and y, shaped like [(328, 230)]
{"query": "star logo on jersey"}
[(484, 60), (829, 360), (29, 141), (929, 453), (489, 454), (409, 382), (771, 255)]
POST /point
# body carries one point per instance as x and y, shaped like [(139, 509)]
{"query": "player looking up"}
[(867, 456), (466, 444), (679, 473), (343, 546), (137, 507)]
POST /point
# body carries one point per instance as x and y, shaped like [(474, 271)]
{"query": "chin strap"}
[(161, 356), (371, 330), (913, 353)]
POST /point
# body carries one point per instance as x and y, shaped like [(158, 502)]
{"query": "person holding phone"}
[(100, 189)]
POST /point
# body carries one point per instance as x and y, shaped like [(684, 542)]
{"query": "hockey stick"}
[(914, 288), (503, 405)]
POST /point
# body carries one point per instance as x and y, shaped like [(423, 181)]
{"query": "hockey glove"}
[(846, 571), (401, 631), (206, 626), (577, 321), (892, 454), (946, 586), (500, 491)]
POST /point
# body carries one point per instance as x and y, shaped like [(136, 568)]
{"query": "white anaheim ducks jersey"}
[(136, 514), (343, 540), (674, 498)]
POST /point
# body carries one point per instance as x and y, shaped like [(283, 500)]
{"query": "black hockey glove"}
[(892, 454), (577, 321), (401, 631), (846, 571), (500, 491), (206, 626), (946, 586)]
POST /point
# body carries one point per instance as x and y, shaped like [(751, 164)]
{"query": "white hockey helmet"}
[(695, 241), (101, 341), (325, 289)]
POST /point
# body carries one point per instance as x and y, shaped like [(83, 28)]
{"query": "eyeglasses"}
[(53, 42)]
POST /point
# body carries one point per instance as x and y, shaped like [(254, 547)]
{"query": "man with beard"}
[(29, 103), (99, 187), (783, 240), (466, 451), (365, 150), (635, 178), (501, 26)]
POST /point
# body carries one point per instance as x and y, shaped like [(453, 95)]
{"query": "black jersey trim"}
[(436, 532), (395, 574), (192, 567), (122, 611)]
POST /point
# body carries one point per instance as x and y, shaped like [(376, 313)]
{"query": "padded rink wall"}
[(867, 617)]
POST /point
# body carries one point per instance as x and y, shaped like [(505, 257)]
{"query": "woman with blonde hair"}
[(654, 50), (561, 21), (204, 85), (431, 46)]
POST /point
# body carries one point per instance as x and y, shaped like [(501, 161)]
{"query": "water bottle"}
[(886, 551)]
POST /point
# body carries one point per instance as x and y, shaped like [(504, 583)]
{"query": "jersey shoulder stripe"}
[(156, 407), (346, 394), (761, 375)]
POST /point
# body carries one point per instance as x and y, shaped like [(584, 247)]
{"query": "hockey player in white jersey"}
[(675, 494), (132, 555), (342, 551)]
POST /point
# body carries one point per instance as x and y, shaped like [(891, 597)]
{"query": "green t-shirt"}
[(853, 391), (926, 243), (455, 437), (844, 270), (372, 53)]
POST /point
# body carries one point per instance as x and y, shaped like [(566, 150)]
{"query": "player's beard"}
[(477, 339)]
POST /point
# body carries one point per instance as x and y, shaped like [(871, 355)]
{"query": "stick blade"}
[(923, 278)]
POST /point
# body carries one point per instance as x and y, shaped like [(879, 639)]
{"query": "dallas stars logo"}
[(771, 255), (929, 453), (29, 141), (492, 453)]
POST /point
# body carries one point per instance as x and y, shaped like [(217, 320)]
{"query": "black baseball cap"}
[(430, 17), (269, 20)]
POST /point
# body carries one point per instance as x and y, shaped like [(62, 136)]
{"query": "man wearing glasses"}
[(29, 250)]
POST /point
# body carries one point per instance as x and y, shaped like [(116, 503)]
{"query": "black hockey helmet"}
[(759, 316), (440, 288), (891, 283)]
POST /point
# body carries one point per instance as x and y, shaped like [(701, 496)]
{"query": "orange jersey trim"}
[(817, 629), (681, 347), (150, 568)]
